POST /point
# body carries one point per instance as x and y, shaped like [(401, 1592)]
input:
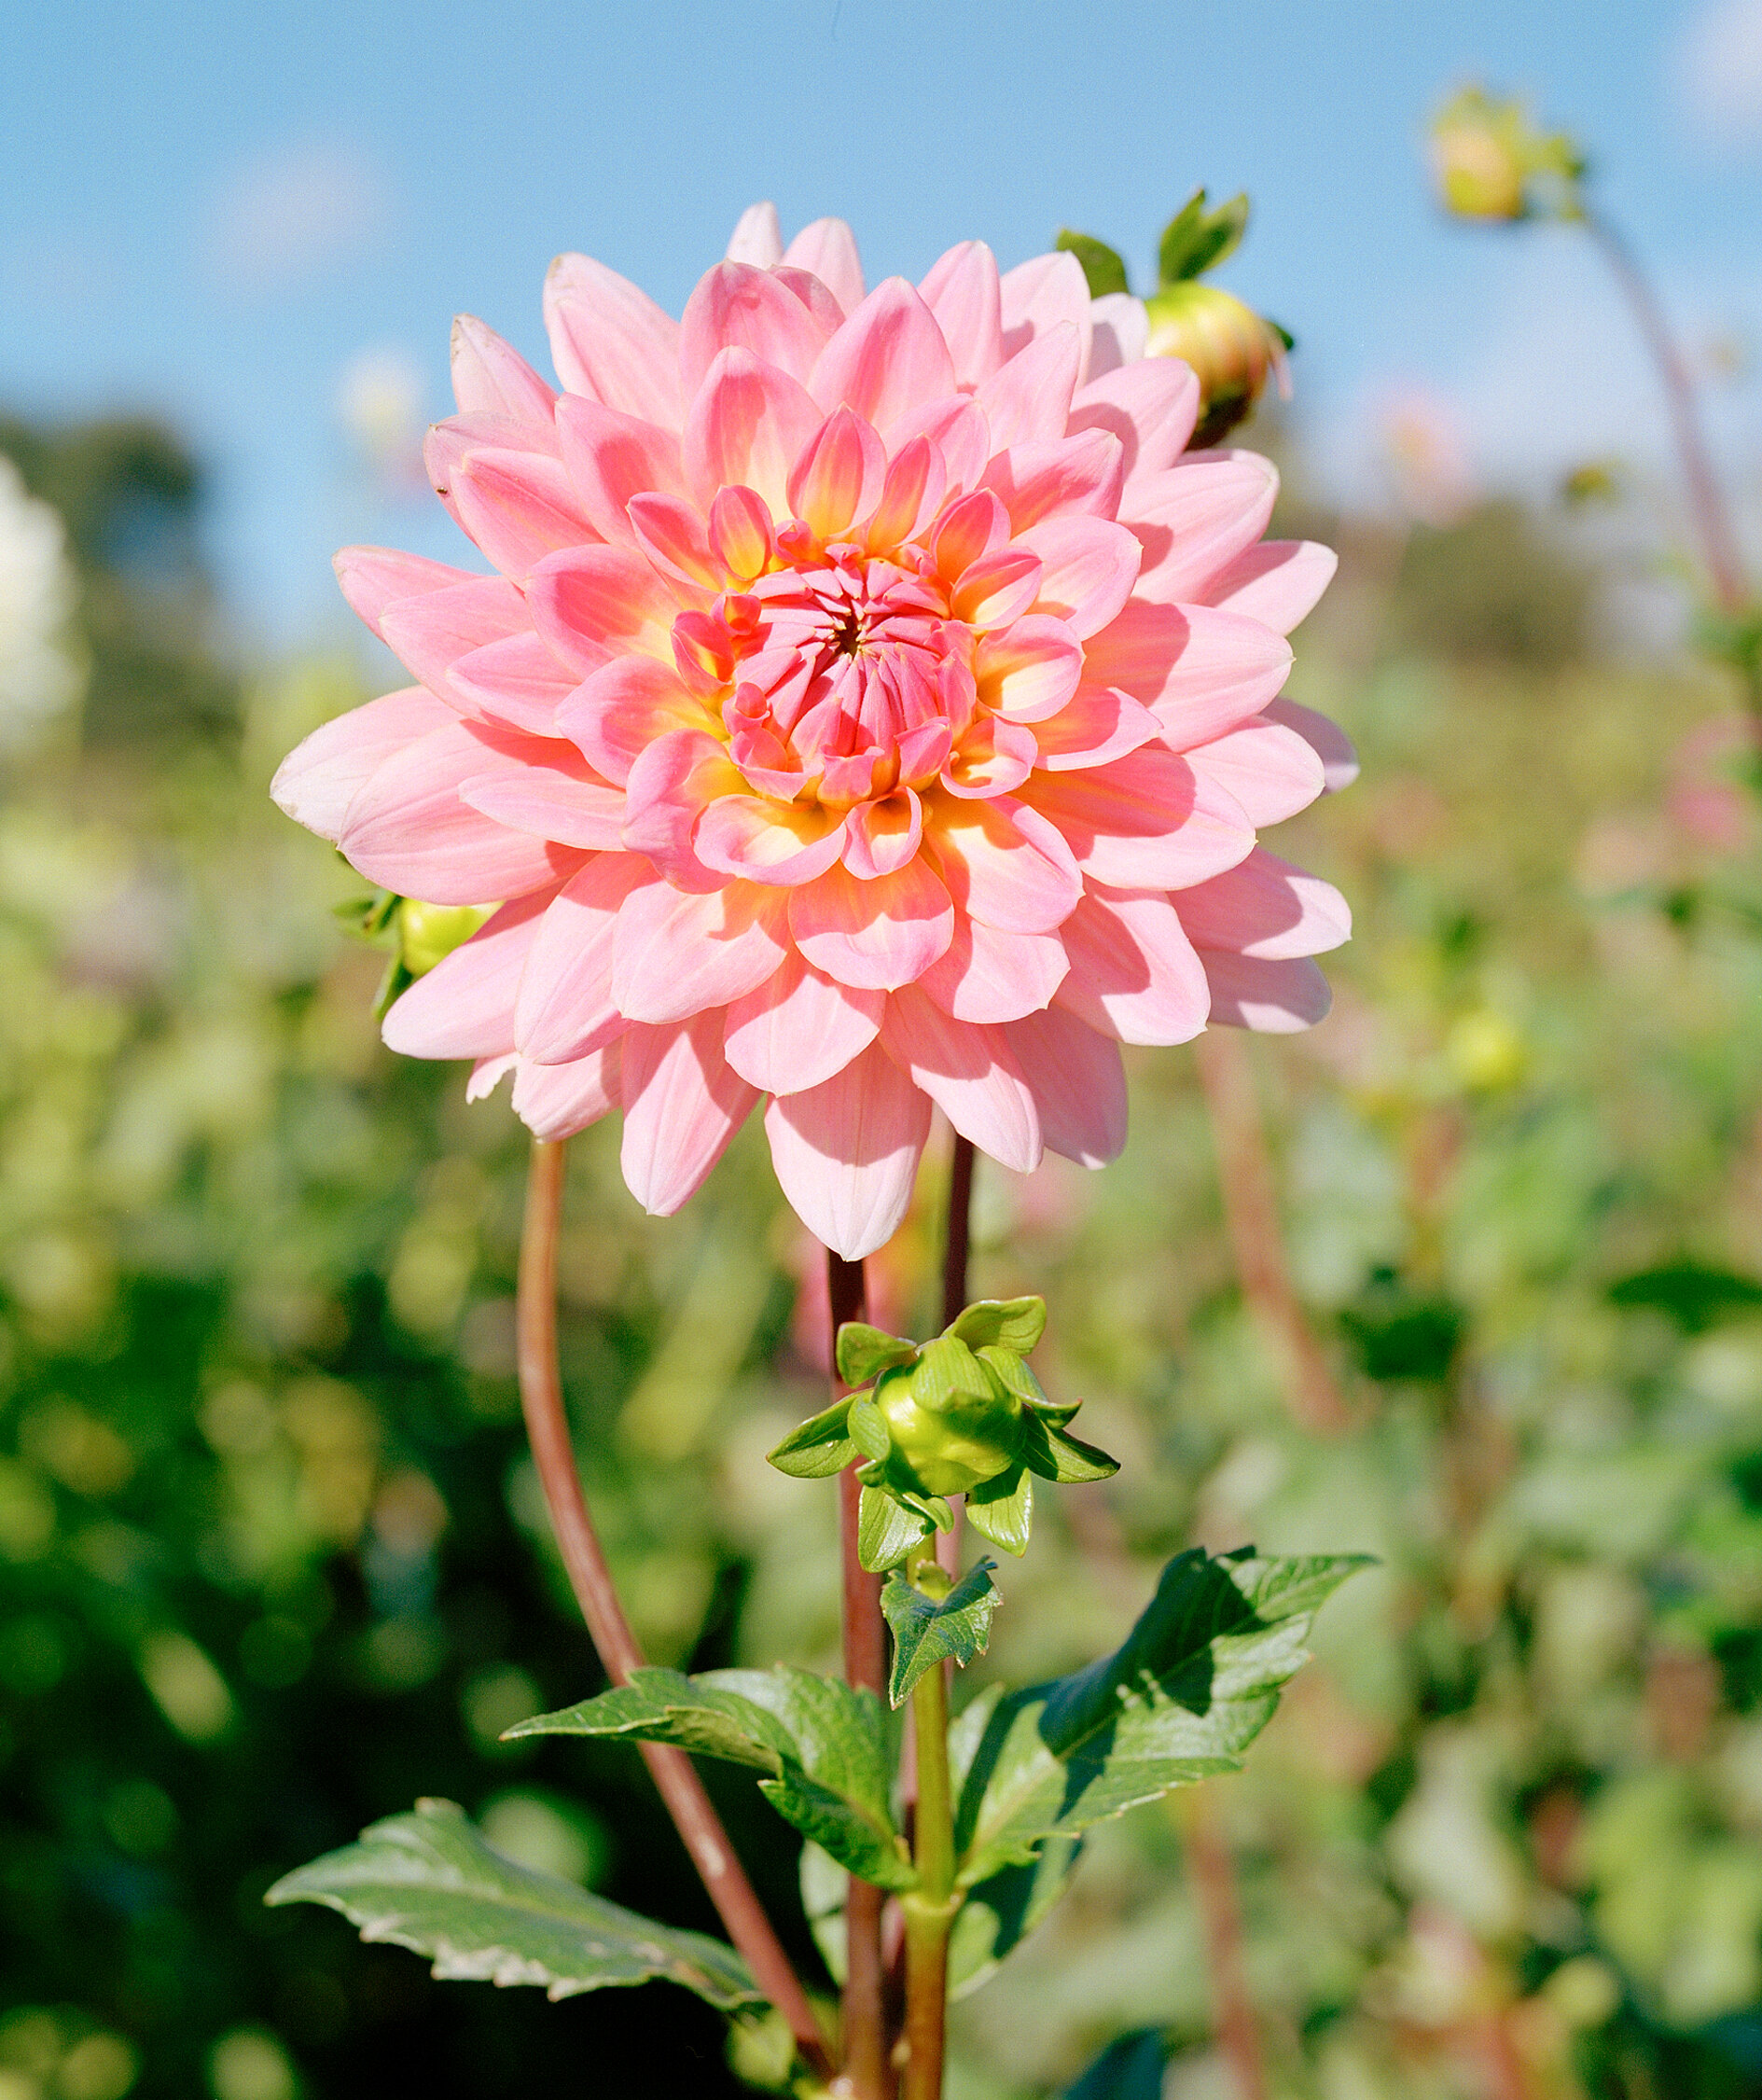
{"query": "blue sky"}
[(217, 212)]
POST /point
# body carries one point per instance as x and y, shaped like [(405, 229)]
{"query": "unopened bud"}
[(951, 1423), (427, 933), (1230, 348), (1491, 164)]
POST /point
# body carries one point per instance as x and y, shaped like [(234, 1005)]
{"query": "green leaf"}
[(868, 1429), (865, 1352), (1048, 1451), (427, 1881), (1129, 2068), (1015, 1377), (1002, 1323), (928, 1631), (1196, 240), (659, 1705), (1004, 1910), (1103, 267), (886, 1531), (819, 1448), (1192, 1685), (1002, 1509)]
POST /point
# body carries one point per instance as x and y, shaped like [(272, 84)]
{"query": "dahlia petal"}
[(555, 1100), (758, 237), (994, 757), (1026, 401), (408, 829), (839, 475), (672, 780), (1038, 295), (564, 1008), (877, 935), (488, 1073), (1084, 474), (846, 1152), (1329, 742), (519, 507), (962, 291), (1276, 581), (971, 1073), (1272, 771), (1205, 673), (620, 709), (956, 426), (682, 1104), (828, 250), (1194, 520), (911, 494), (491, 378), (1150, 406), (515, 680), (677, 951), (736, 306), (1078, 1085), (987, 976), (799, 1028), (741, 538), (1030, 671), (1003, 863), (777, 844), (970, 528), (998, 589), (747, 426), (319, 778), (373, 577), (1266, 907), (610, 341), (593, 602), (880, 836), (1121, 329), (1090, 566), (1101, 723), (887, 359), (1275, 998), (464, 1006), (612, 457), (670, 531), (561, 800), (1134, 974), (431, 633), (1146, 822)]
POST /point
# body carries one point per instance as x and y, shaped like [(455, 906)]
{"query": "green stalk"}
[(930, 1908)]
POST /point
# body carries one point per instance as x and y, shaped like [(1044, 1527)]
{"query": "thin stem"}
[(930, 1908), (590, 1579), (1707, 508), (865, 2037), (1214, 1874), (955, 1249)]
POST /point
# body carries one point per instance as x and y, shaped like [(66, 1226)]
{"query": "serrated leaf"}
[(1192, 1685), (867, 1427), (929, 1631), (1053, 1453), (427, 1881), (659, 1705), (865, 1352), (1129, 2068), (1103, 267), (885, 1531), (1001, 1323), (818, 1448), (1002, 1509), (1196, 240)]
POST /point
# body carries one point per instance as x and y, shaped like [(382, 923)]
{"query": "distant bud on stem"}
[(1491, 162)]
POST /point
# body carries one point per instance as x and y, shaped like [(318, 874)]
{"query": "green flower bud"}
[(952, 1425), (1230, 347), (427, 933), (1491, 164)]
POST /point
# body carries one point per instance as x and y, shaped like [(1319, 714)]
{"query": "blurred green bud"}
[(428, 933), (1491, 163), (1232, 349)]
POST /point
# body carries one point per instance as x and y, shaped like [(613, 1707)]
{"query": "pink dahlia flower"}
[(873, 705)]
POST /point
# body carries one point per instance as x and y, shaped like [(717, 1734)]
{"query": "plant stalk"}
[(867, 2072), (1220, 1904), (930, 1908), (590, 1579)]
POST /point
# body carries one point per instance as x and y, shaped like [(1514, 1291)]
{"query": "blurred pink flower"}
[(874, 707)]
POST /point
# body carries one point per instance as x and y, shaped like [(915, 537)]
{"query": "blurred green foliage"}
[(272, 1560)]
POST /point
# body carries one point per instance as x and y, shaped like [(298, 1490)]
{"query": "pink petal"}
[(988, 976), (1194, 520), (670, 531), (672, 782), (408, 829), (888, 359), (1150, 407), (464, 1006), (1005, 864), (971, 1073), (1031, 670), (1277, 581), (1134, 974), (1078, 1085), (612, 342), (1270, 770), (1026, 401), (910, 497), (1101, 723), (620, 710), (488, 1073), (767, 842), (875, 935), (1146, 822), (677, 951), (747, 426), (433, 632), (1038, 295), (846, 1152), (555, 1100), (1205, 673), (1083, 474), (962, 291), (515, 680), (827, 249), (839, 475), (880, 836), (594, 603), (994, 757), (969, 529), (1325, 738), (1090, 567), (736, 306), (491, 377), (1121, 329), (799, 1028), (1266, 907), (998, 590), (374, 577), (612, 457), (1275, 998), (565, 1008), (956, 426), (757, 238), (519, 507), (561, 799), (682, 1104), (318, 779)]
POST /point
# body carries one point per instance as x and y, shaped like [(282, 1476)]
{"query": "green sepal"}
[(865, 1352), (929, 1630), (868, 1427), (1196, 240), (427, 1881), (1048, 1450), (1002, 1509), (393, 986), (946, 1370), (888, 1528), (1284, 334), (1001, 1323), (1015, 1377), (821, 1446), (1103, 267), (369, 918)]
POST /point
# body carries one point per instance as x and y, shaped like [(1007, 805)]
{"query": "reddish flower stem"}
[(955, 1252), (680, 1788), (1215, 1890), (867, 2073)]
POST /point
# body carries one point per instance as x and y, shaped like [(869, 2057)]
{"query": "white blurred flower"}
[(41, 676), (1425, 456)]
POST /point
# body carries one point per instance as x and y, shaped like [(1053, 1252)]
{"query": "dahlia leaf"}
[(1103, 267), (1004, 1909), (930, 1631), (1129, 2069)]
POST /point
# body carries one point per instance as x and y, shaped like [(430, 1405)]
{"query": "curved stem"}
[(680, 1788), (930, 1908)]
